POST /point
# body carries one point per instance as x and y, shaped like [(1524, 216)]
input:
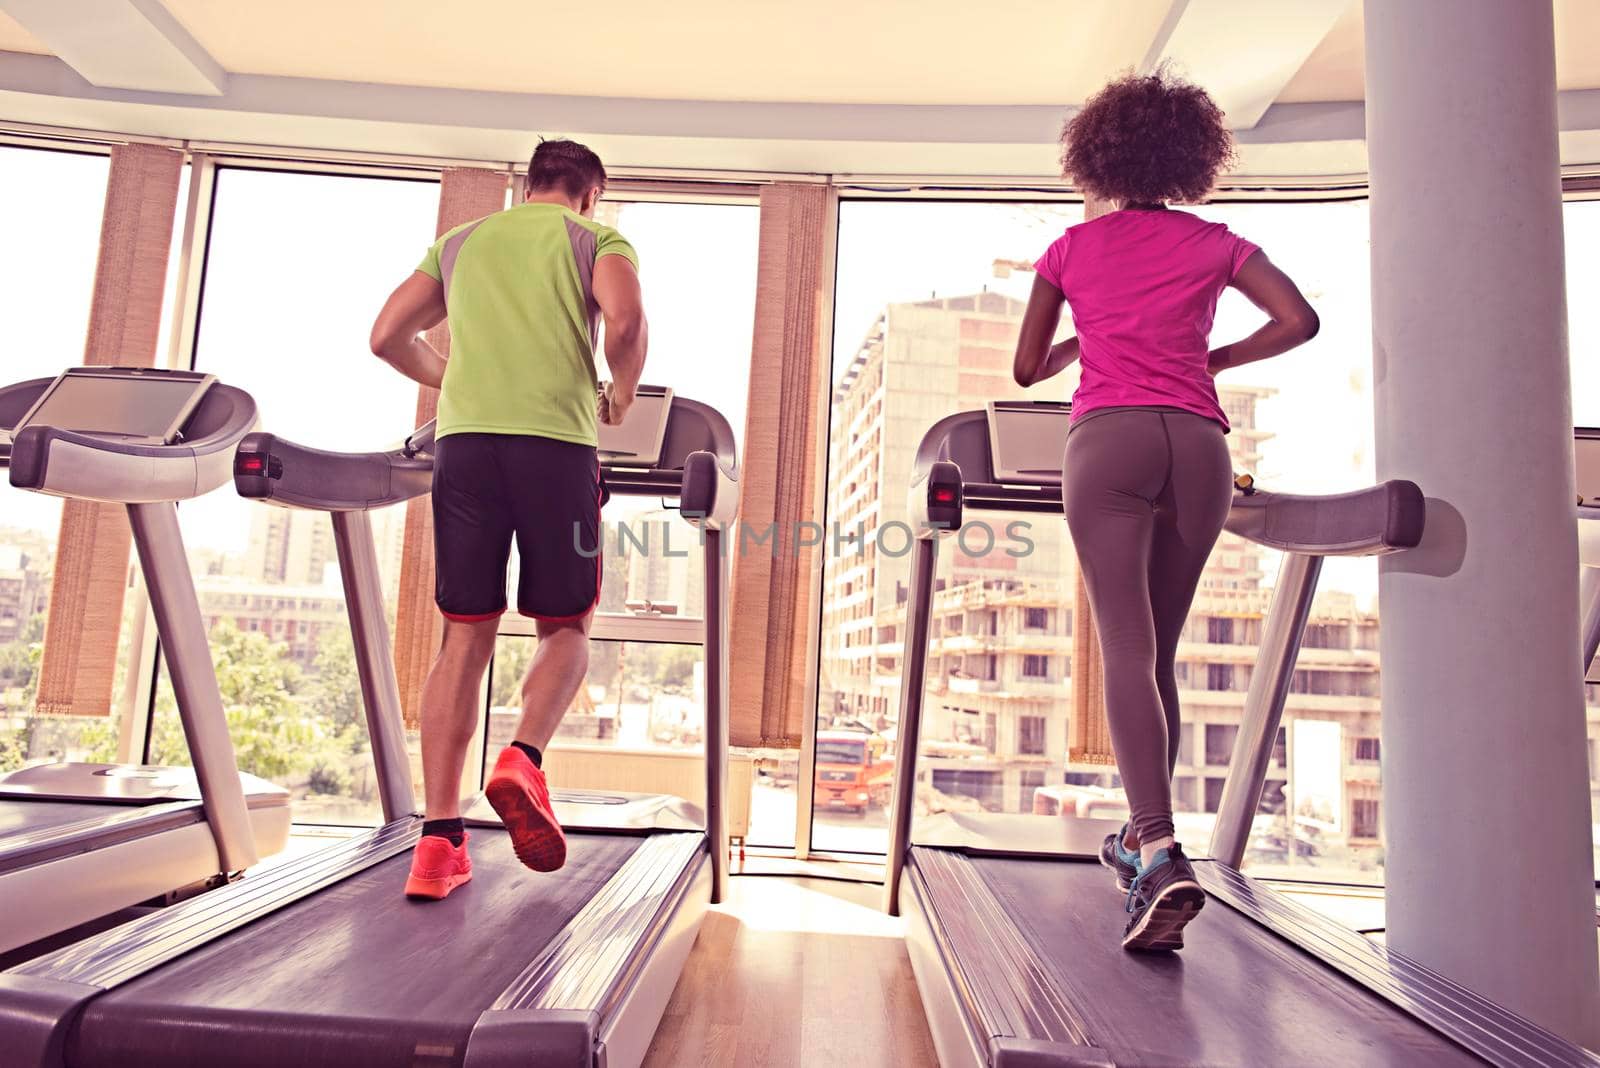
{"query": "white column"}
[(1486, 800)]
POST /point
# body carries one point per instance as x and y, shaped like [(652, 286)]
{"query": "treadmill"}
[(1012, 925), (81, 841), (321, 961)]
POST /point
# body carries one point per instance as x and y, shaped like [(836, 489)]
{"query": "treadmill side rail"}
[(591, 965), (36, 1016), (124, 953), (560, 1038), (1031, 1053), (1485, 1029)]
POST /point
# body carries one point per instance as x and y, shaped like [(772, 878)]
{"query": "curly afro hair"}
[(1147, 138)]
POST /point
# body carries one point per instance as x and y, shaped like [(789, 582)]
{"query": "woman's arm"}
[(1291, 320), (1036, 358)]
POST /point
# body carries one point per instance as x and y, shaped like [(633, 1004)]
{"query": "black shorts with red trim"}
[(491, 489)]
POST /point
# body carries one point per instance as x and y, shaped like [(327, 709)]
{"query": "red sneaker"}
[(518, 792), (437, 867)]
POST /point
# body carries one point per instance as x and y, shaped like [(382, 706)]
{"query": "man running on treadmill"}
[(524, 291)]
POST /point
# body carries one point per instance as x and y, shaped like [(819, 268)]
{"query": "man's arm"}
[(616, 290), (414, 306)]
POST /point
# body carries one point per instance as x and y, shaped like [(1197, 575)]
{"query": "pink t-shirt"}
[(1143, 288)]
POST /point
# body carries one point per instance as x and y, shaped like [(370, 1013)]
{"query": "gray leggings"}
[(1146, 491)]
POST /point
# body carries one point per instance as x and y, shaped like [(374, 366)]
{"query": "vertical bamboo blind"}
[(1088, 731), (773, 595), (465, 193), (91, 568)]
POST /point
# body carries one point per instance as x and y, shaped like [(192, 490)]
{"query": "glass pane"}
[(925, 322), (54, 205), (697, 269), (1583, 328), (297, 268), (1306, 424), (1582, 219), (938, 313), (638, 726)]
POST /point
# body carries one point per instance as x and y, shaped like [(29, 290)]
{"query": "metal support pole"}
[(133, 704), (716, 733), (194, 680), (369, 630), (913, 681), (1263, 708)]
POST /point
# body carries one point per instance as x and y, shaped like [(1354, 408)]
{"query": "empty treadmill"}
[(81, 841), (321, 961), (1013, 926)]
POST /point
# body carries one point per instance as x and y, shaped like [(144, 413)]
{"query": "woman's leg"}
[(1116, 464), (1190, 511)]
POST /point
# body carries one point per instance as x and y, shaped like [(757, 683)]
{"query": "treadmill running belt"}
[(1235, 995), (355, 975)]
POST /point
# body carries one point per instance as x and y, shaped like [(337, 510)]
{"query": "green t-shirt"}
[(519, 296)]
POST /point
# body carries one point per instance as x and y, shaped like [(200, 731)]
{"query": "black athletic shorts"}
[(491, 488)]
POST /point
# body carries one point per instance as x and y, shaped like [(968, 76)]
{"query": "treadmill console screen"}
[(1027, 440), (150, 407), (638, 441)]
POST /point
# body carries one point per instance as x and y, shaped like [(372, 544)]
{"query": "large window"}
[(51, 220), (1583, 330), (1582, 218), (639, 722), (296, 268), (928, 302)]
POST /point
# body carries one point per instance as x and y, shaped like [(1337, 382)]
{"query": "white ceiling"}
[(834, 51), (14, 38), (1336, 69), (877, 51), (887, 87)]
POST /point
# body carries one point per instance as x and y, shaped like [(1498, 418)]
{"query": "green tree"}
[(13, 747), (275, 735), (336, 693), (673, 667), (30, 689), (19, 659), (511, 659)]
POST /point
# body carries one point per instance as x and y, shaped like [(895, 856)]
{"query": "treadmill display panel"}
[(126, 403), (1027, 440), (638, 441)]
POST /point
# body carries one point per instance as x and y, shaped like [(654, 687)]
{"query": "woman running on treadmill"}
[(1147, 480)]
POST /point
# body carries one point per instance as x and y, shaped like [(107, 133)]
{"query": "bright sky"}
[(299, 264)]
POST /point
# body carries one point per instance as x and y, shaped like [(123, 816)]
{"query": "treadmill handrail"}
[(272, 468), (86, 466), (1374, 520), (1385, 518)]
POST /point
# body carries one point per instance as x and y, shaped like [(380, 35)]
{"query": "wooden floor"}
[(794, 971)]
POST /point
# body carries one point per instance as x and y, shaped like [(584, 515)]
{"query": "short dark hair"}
[(1146, 138), (565, 165)]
